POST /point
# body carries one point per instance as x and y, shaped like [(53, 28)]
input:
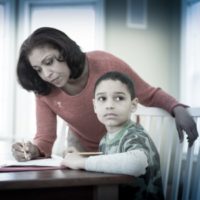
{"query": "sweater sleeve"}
[(149, 95), (46, 127), (130, 163)]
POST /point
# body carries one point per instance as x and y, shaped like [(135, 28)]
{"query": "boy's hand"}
[(24, 152), (74, 161), (185, 122)]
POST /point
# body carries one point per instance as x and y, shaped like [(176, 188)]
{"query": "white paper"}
[(44, 162)]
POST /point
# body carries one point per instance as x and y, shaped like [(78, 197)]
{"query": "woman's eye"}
[(37, 69), (49, 61)]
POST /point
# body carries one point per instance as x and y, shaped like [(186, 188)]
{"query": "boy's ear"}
[(134, 105)]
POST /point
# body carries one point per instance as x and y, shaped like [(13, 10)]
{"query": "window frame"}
[(9, 49), (184, 68)]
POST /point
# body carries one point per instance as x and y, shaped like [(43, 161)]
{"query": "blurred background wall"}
[(153, 52)]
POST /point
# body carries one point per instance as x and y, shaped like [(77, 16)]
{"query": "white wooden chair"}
[(180, 165)]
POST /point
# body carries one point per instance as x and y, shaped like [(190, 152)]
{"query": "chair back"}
[(180, 165)]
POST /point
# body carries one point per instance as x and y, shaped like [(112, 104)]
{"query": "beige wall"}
[(153, 52)]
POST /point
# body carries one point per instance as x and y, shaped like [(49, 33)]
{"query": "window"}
[(7, 75), (137, 14), (190, 76), (2, 85)]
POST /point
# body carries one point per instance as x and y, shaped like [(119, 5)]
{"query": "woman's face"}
[(45, 61)]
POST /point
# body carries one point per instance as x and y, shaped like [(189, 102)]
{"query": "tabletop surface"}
[(58, 178)]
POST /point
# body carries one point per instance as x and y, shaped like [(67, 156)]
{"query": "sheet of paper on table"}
[(46, 162), (39, 164)]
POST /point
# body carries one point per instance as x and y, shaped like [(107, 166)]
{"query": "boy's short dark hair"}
[(69, 51), (115, 75)]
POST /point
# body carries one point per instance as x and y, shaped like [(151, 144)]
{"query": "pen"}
[(89, 153)]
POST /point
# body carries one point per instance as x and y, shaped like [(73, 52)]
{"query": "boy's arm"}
[(133, 163)]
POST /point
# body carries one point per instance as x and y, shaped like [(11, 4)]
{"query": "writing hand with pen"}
[(25, 151)]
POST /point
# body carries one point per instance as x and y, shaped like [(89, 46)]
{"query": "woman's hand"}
[(74, 161), (185, 122), (25, 151)]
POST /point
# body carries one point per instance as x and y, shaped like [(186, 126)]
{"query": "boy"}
[(126, 147)]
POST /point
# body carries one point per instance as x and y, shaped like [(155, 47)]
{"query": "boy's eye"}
[(101, 99), (119, 98)]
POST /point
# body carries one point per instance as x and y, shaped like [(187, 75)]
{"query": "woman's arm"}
[(73, 143), (46, 127), (156, 97)]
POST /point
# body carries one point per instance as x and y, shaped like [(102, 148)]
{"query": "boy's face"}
[(113, 104)]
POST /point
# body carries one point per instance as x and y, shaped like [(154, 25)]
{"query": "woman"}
[(62, 76)]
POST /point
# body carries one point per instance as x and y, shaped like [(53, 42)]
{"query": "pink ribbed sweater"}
[(77, 110)]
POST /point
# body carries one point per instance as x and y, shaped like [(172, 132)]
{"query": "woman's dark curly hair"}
[(69, 51)]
